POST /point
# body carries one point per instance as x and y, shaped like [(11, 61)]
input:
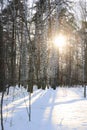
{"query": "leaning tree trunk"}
[(2, 73)]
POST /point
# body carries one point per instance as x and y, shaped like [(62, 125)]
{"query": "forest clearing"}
[(43, 43)]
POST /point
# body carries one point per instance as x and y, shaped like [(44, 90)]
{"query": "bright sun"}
[(60, 41)]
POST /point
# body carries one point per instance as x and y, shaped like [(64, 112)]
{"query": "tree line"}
[(28, 55)]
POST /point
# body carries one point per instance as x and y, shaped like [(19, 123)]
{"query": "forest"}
[(43, 43)]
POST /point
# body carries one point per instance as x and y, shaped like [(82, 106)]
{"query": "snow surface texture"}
[(60, 109)]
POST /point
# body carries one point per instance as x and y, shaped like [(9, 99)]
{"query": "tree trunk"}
[(2, 97), (2, 69)]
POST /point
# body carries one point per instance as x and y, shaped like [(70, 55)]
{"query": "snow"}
[(60, 109)]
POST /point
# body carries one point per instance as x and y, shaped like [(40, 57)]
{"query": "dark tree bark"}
[(2, 69)]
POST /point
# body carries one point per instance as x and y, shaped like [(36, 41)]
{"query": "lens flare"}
[(60, 41)]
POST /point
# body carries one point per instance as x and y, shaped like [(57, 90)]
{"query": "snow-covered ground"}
[(60, 109)]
